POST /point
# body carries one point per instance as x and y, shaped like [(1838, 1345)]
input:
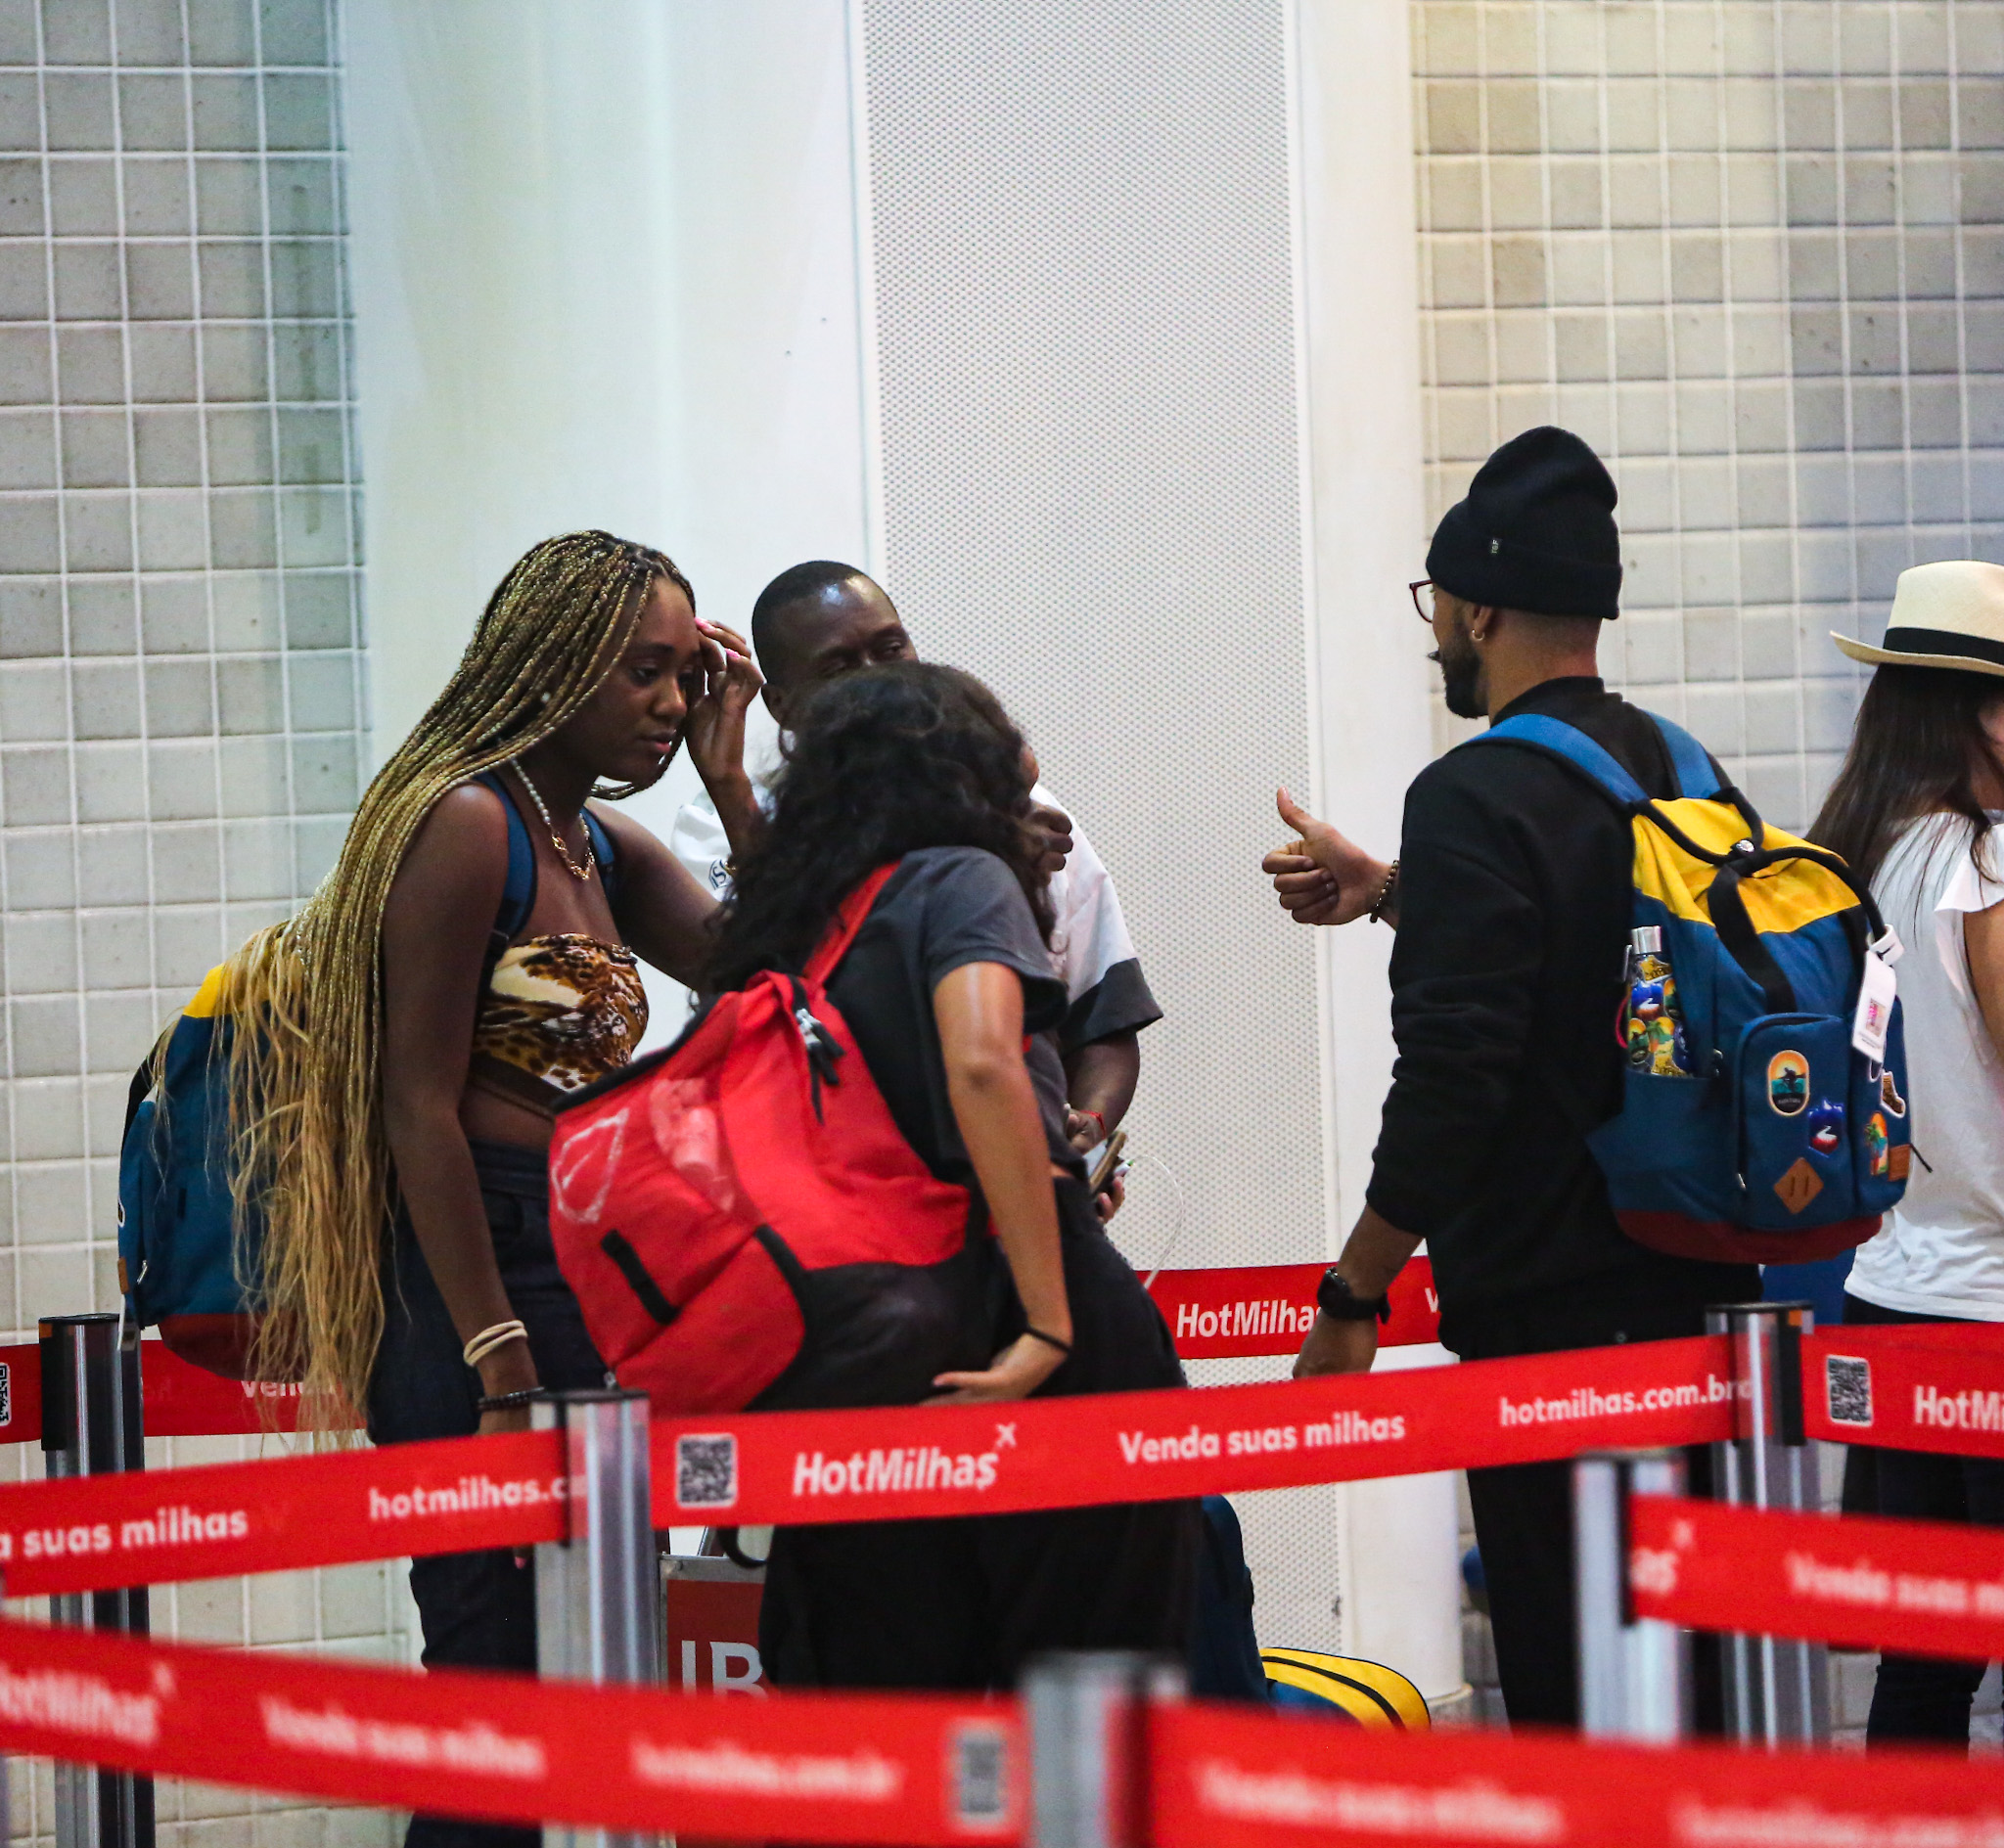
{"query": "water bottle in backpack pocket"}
[(1764, 1114)]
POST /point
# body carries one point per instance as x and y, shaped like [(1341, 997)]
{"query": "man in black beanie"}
[(1511, 898)]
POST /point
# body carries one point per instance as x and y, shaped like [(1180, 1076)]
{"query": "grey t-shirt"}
[(944, 907)]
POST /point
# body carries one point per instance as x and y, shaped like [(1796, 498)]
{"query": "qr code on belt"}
[(1848, 1385), (706, 1472), (979, 1775)]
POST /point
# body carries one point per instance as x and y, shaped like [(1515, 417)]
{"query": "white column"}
[(605, 275), (1401, 1588)]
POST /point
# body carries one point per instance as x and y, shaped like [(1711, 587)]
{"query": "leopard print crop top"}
[(560, 1013)]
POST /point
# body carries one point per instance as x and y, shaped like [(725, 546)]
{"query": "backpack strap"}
[(518, 889), (848, 920), (1690, 762), (1574, 747)]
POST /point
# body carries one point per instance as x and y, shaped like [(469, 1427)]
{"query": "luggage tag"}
[(1875, 989)]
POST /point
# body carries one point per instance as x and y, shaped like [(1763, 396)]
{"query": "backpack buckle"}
[(822, 1047)]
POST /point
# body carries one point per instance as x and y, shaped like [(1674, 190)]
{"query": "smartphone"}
[(1110, 1160)]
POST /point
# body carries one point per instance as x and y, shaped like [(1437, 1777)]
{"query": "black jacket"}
[(1514, 891)]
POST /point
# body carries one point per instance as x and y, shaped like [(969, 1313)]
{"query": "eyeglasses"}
[(1416, 586)]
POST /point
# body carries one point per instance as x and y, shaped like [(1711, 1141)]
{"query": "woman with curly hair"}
[(919, 765), (392, 1103)]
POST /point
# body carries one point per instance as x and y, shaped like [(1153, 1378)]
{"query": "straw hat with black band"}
[(1950, 614)]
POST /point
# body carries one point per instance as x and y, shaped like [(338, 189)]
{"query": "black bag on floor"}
[(1224, 1653)]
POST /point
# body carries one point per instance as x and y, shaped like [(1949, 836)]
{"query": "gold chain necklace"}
[(571, 866)]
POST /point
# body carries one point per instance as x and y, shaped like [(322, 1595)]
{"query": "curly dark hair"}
[(880, 764)]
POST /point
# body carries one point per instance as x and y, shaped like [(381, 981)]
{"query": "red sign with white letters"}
[(1261, 1309)]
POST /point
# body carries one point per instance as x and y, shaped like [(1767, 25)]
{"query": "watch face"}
[(1335, 1300)]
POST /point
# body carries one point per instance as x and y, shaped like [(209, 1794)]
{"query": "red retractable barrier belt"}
[(1224, 1778), (1918, 1585), (146, 1528), (1267, 1308), (805, 1768), (1912, 1387), (812, 1466), (20, 1392), (181, 1399)]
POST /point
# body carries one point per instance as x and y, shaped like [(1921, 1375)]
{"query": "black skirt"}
[(960, 1603)]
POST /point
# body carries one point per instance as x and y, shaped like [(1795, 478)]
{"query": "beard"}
[(1461, 676)]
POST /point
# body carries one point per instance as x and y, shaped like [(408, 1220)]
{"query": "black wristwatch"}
[(1335, 1298)]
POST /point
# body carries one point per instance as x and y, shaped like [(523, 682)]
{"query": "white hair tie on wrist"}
[(489, 1339)]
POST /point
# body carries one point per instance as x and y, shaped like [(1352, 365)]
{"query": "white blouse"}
[(1940, 1250)]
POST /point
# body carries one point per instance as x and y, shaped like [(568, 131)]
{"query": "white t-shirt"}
[(1090, 948), (1942, 1249)]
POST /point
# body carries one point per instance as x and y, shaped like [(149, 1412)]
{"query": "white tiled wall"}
[(1753, 252), (178, 637)]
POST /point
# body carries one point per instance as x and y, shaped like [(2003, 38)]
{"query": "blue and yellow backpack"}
[(177, 1249), (1751, 1130), (1345, 1688)]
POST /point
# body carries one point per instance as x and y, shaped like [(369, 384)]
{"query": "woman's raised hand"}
[(715, 726)]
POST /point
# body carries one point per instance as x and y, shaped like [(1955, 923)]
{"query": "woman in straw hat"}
[(1914, 810)]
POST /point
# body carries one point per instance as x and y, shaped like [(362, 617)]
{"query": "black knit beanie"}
[(1536, 531)]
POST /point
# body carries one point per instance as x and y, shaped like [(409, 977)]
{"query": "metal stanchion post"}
[(1777, 1689), (598, 1591), (1087, 1718), (91, 1425), (1634, 1672)]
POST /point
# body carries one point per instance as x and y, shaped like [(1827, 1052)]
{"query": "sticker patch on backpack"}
[(1800, 1185), (583, 1170), (1826, 1128), (1788, 1085), (1879, 1146), (1889, 1094)]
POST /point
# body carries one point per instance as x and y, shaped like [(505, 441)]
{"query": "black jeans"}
[(478, 1609), (1523, 1511), (1921, 1697), (959, 1603)]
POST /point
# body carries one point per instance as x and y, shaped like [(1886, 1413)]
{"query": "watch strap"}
[(1335, 1298)]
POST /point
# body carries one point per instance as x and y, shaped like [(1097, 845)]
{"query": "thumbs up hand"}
[(1322, 878)]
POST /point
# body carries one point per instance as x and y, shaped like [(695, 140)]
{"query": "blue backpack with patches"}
[(1752, 1129), (177, 1253)]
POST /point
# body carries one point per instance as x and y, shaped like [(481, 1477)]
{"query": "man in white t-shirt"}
[(822, 618)]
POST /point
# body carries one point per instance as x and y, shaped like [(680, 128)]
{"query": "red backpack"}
[(741, 1219)]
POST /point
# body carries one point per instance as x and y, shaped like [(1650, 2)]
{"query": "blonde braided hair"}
[(307, 1135)]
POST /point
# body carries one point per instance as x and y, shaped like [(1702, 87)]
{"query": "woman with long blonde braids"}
[(395, 1113)]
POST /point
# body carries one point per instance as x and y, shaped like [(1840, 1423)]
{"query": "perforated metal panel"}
[(1085, 355)]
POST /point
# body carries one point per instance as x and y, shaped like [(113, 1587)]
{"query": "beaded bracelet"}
[(509, 1400), (1384, 892)]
